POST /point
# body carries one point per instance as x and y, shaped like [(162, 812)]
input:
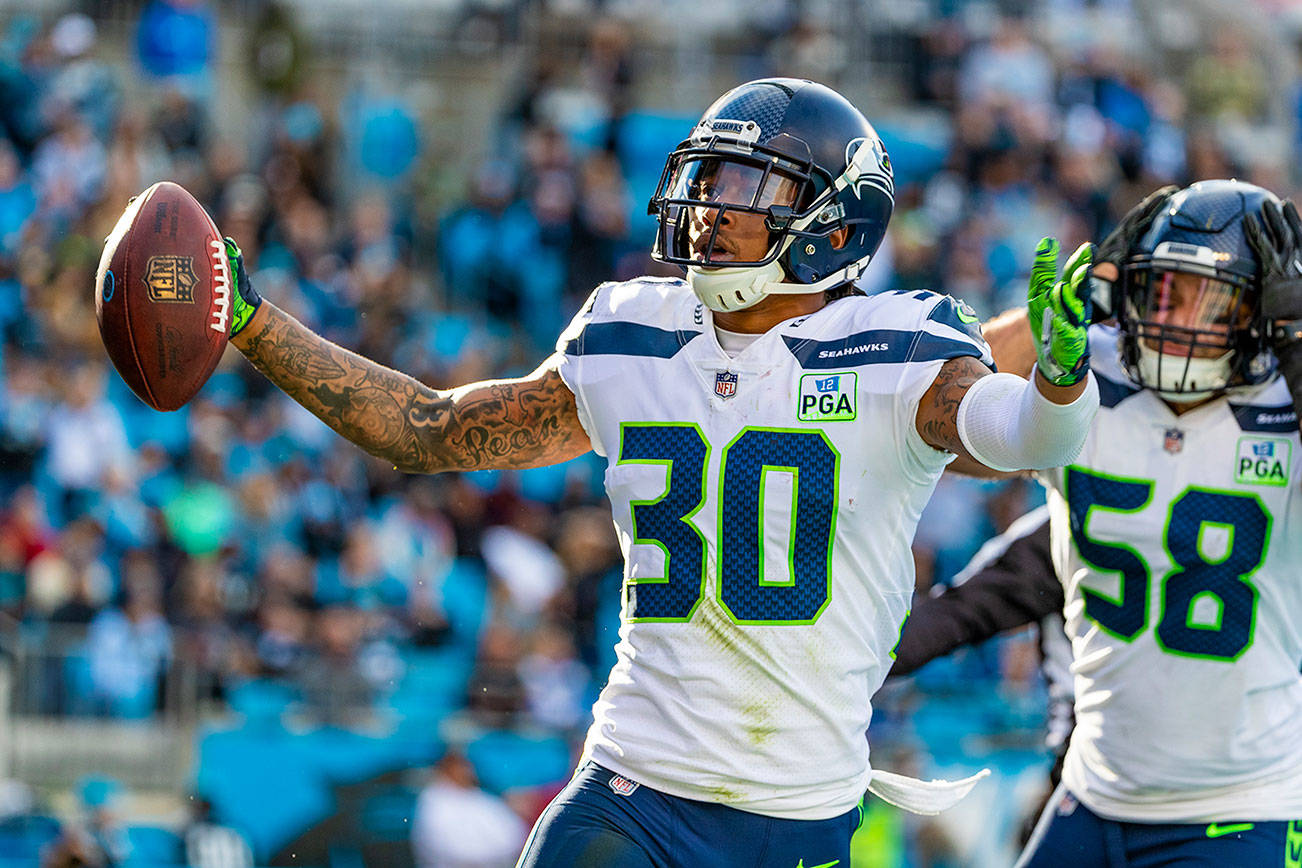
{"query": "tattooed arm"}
[(938, 413), (527, 422), (937, 419)]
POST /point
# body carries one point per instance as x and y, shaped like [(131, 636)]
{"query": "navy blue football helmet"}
[(1189, 305), (793, 154)]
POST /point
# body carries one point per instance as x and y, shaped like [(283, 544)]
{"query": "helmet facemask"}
[(1191, 329), (725, 211)]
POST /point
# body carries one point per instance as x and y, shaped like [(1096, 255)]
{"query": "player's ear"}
[(838, 238)]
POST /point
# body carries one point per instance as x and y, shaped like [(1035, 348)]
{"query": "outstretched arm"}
[(1001, 422), (528, 422)]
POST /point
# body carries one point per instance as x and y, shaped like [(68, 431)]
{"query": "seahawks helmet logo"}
[(876, 172)]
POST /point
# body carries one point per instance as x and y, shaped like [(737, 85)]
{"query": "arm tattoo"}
[(938, 410), (500, 424)]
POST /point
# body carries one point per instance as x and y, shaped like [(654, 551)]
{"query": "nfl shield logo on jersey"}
[(725, 384), (1173, 441)]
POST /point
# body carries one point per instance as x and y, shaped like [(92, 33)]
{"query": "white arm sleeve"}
[(1006, 423)]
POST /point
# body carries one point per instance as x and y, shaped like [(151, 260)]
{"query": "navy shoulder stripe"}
[(1279, 419), (621, 338), (877, 347), (958, 316), (1111, 392)]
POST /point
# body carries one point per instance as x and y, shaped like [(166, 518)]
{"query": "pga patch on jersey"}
[(828, 397), (1263, 461)]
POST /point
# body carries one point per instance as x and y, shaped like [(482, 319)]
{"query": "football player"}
[(772, 438), (1177, 532)]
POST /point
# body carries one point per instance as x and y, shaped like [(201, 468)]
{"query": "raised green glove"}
[(1059, 312), (245, 300)]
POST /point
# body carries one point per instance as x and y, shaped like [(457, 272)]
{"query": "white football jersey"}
[(1179, 542), (765, 505)]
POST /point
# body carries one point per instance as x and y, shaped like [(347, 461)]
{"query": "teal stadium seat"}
[(506, 760), (23, 836), (153, 847)]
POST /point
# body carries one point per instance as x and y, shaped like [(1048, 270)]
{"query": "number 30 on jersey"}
[(745, 465)]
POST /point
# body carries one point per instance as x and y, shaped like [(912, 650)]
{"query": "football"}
[(163, 296)]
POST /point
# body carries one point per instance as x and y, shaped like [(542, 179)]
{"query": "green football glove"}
[(1059, 312), (245, 300)]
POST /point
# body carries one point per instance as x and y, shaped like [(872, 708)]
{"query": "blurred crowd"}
[(238, 541)]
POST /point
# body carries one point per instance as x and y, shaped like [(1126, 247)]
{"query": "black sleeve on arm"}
[(1290, 366), (1017, 588)]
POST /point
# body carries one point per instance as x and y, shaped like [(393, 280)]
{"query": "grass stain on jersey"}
[(759, 727), (731, 641)]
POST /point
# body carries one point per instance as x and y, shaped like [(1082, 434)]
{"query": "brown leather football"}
[(163, 296)]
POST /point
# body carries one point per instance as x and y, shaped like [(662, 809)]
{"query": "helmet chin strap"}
[(1195, 371), (729, 289)]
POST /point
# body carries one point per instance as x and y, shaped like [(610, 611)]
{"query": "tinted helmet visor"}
[(1188, 314), (725, 210)]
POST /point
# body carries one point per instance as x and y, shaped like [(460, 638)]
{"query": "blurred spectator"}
[(526, 566), (82, 84), (282, 642), (209, 844), (86, 439), (174, 38), (17, 200), (278, 48), (68, 169), (1228, 82), (482, 244), (71, 582), (556, 684), (204, 637), (97, 839), (1008, 70), (335, 689), (496, 695), (25, 403), (358, 577), (128, 649), (180, 124), (458, 825), (104, 828)]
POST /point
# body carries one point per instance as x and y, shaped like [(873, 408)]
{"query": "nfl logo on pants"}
[(622, 785), (725, 384)]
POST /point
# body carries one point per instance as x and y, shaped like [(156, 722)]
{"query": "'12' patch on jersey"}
[(1263, 461), (828, 397)]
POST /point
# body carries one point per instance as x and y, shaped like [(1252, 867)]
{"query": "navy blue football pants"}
[(1070, 834), (602, 820)]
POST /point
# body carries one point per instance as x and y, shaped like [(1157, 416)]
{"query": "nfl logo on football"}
[(725, 384)]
